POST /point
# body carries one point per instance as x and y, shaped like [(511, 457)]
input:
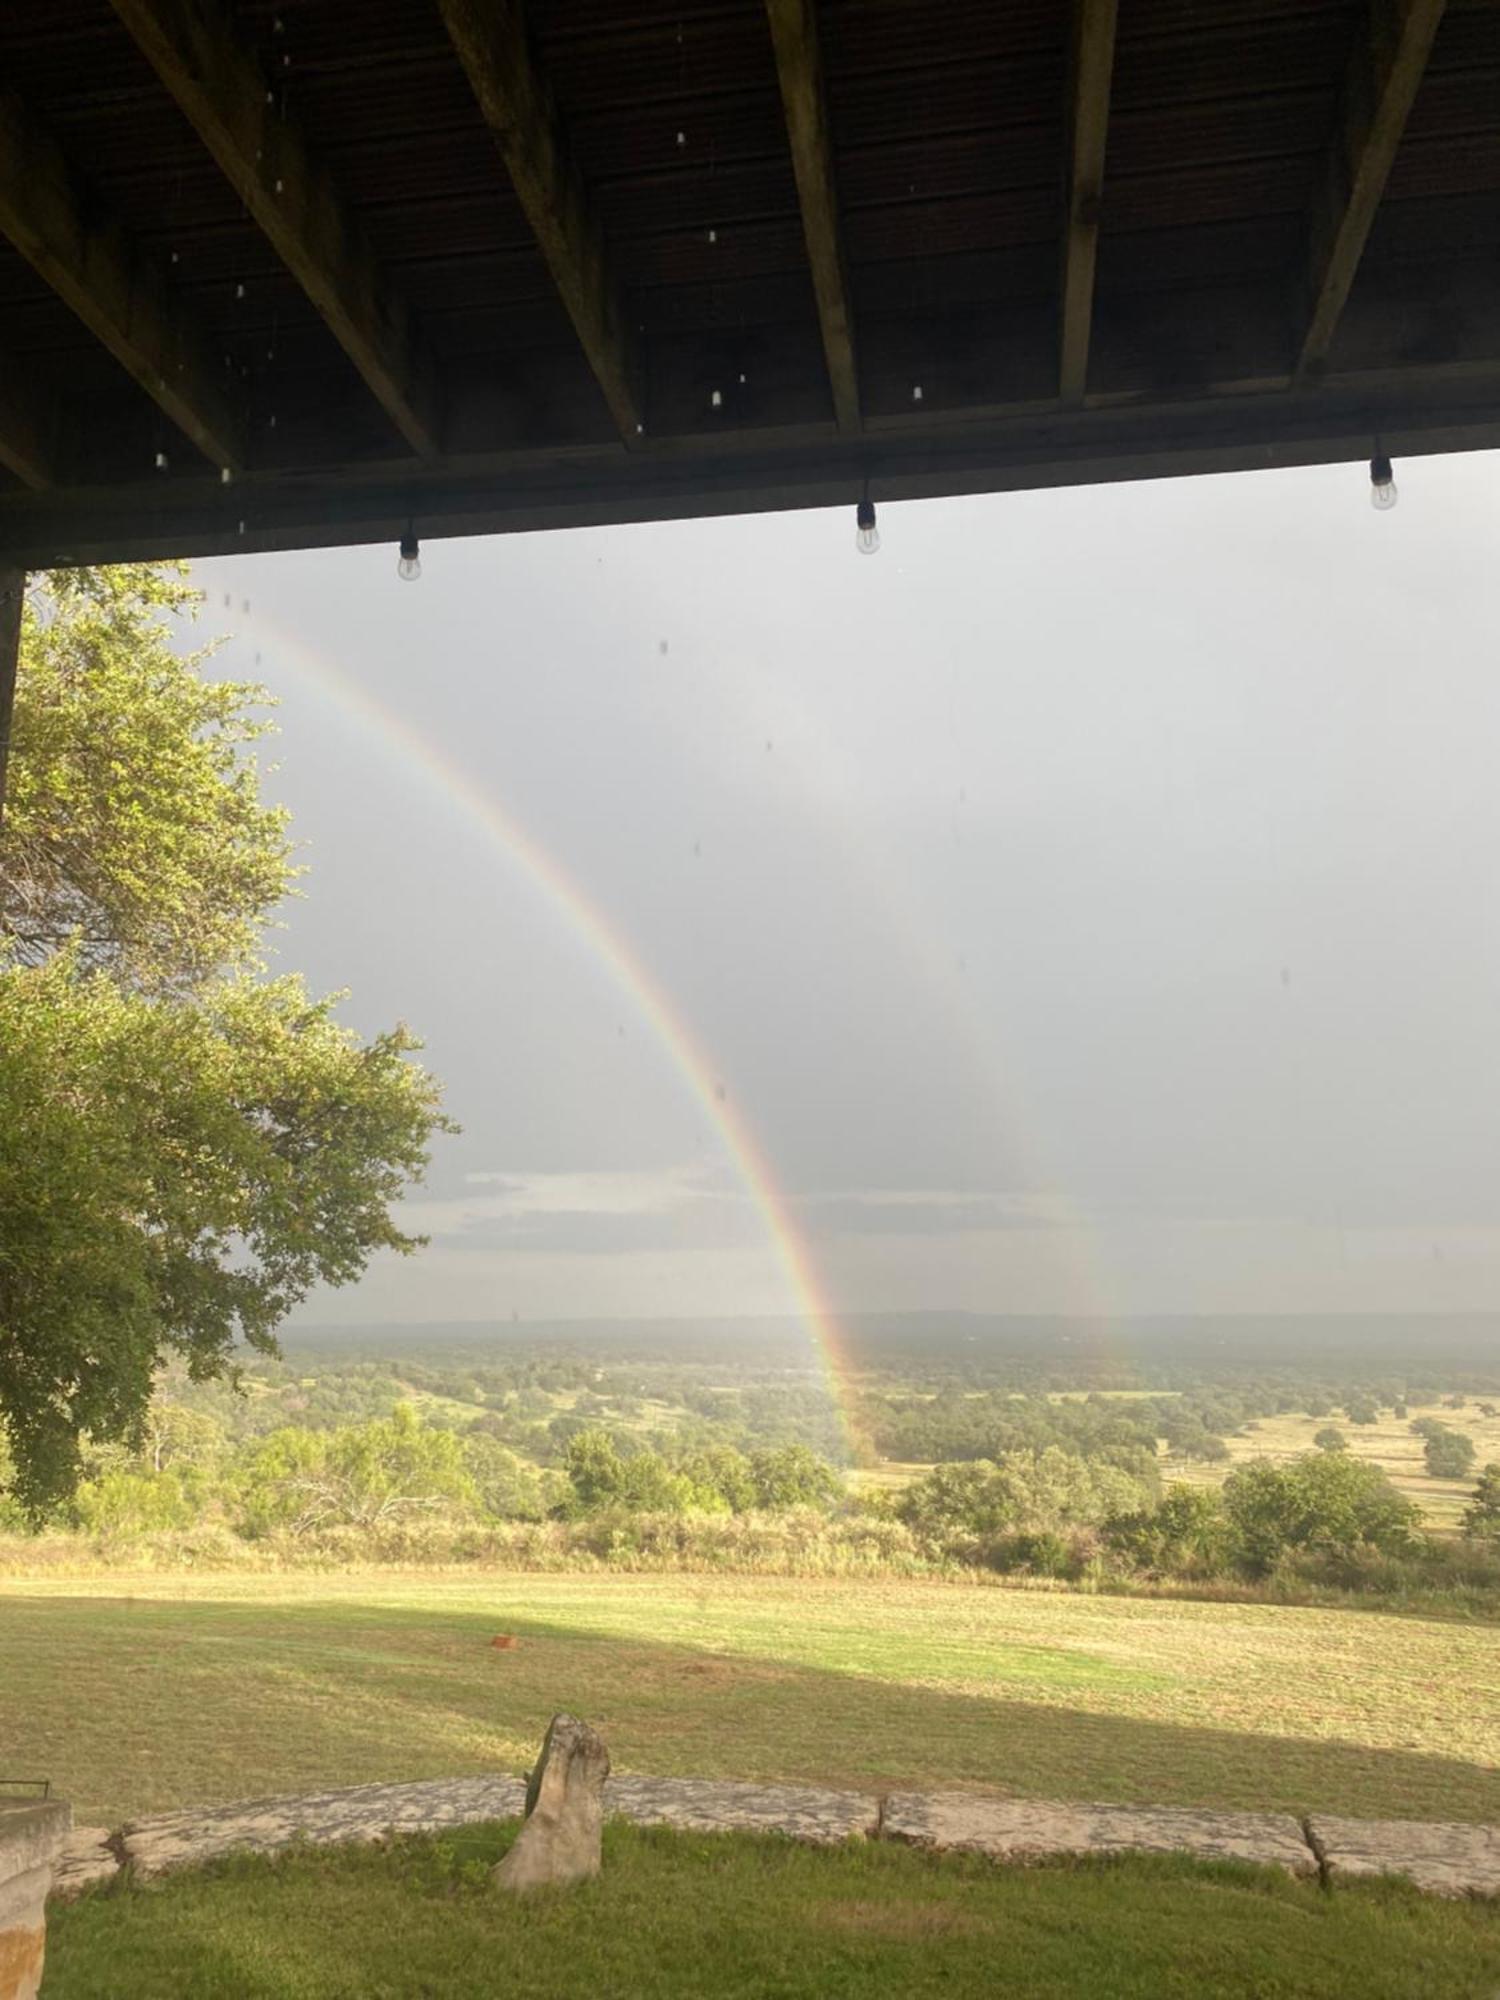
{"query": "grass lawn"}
[(134, 1694), (741, 1918)]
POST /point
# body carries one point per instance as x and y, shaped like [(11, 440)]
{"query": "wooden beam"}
[(517, 106), (1379, 92), (12, 594), (799, 64), (504, 493), (1088, 127), (27, 425), (118, 293), (218, 86)]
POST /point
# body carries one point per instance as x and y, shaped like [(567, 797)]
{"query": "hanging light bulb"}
[(866, 534), (1382, 483), (409, 562)]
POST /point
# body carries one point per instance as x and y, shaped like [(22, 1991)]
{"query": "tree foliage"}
[(176, 1177), (186, 1148), (133, 820), (1482, 1515), (364, 1476), (1449, 1454), (1326, 1502)]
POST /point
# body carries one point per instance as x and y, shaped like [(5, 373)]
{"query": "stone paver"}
[(702, 1805), (87, 1858), (1030, 1829), (1446, 1860), (357, 1812)]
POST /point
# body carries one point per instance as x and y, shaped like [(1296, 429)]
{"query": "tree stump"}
[(559, 1842)]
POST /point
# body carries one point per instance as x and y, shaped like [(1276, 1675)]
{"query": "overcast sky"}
[(1089, 903)]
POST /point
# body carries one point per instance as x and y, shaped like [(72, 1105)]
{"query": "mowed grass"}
[(139, 1694), (741, 1918), (1388, 1443)]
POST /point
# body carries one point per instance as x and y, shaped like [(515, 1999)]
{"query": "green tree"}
[(1449, 1455), (130, 1500), (362, 1476), (173, 1177), (173, 1436), (507, 1488), (185, 1149), (1327, 1503), (1330, 1438), (722, 1478), (791, 1475), (594, 1470), (1482, 1515), (1185, 1534), (133, 821)]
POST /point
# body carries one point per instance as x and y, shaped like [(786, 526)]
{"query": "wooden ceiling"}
[(282, 273)]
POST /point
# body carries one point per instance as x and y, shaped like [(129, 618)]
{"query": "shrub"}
[(1185, 1534), (966, 1510), (1449, 1455), (1327, 1502), (364, 1476), (1331, 1438), (1482, 1515)]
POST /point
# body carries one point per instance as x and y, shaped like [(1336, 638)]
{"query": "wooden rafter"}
[(799, 64), (218, 86), (1088, 126), (119, 293), (1380, 90), (518, 108)]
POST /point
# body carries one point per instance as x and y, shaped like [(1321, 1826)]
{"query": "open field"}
[(135, 1694), (742, 1918), (1388, 1442)]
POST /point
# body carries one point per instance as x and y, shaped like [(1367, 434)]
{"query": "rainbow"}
[(566, 898)]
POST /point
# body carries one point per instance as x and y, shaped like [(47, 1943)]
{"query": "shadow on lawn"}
[(147, 1703)]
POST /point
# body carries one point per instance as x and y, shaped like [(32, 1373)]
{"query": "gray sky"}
[(1089, 903)]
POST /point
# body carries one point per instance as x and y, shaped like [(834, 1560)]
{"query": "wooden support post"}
[(12, 591)]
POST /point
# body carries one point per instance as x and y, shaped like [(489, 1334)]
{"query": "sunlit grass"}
[(141, 1693)]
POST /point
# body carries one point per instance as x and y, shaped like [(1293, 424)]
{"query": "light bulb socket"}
[(1381, 473), (410, 547), (864, 513)]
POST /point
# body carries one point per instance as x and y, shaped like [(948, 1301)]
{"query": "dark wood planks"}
[(117, 291), (517, 106), (217, 85), (799, 67), (1381, 88)]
